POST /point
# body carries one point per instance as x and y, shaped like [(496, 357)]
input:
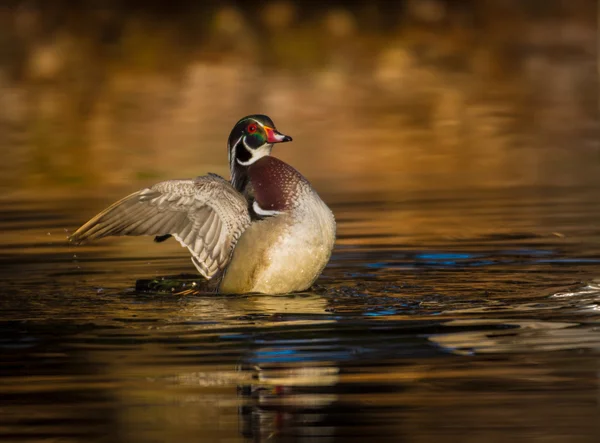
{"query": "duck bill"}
[(274, 136)]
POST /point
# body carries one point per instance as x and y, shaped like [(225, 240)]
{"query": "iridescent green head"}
[(252, 138)]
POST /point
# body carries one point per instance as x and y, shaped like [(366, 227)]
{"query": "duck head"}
[(251, 138)]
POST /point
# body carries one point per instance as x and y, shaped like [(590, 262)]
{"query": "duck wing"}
[(206, 215)]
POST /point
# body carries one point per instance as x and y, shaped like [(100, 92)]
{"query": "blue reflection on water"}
[(293, 356), (380, 313), (466, 259), (446, 256)]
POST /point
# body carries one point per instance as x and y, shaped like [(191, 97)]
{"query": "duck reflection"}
[(297, 308), (280, 399)]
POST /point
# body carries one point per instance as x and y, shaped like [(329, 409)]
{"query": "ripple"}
[(519, 336)]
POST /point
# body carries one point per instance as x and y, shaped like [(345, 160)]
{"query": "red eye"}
[(252, 128)]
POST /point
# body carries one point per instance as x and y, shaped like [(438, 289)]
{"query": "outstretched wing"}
[(206, 215)]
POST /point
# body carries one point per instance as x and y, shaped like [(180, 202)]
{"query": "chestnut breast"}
[(276, 184)]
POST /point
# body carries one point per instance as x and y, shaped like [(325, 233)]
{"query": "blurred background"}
[(106, 96)]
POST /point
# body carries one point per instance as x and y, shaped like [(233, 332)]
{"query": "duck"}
[(266, 230)]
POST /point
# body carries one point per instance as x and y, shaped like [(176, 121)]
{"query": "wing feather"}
[(206, 215)]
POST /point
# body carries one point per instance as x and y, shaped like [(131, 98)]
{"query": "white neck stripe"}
[(232, 152), (248, 163), (256, 154), (263, 212)]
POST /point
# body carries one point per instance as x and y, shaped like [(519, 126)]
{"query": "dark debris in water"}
[(183, 284)]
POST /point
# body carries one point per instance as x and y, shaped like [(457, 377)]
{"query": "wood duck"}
[(266, 231)]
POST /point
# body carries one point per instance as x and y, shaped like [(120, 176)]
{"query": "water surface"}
[(441, 317)]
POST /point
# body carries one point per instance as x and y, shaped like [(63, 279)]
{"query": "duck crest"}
[(276, 185)]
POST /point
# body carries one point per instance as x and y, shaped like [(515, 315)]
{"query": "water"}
[(441, 317)]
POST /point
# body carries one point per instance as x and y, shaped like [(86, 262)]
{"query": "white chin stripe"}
[(257, 154), (263, 212)]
